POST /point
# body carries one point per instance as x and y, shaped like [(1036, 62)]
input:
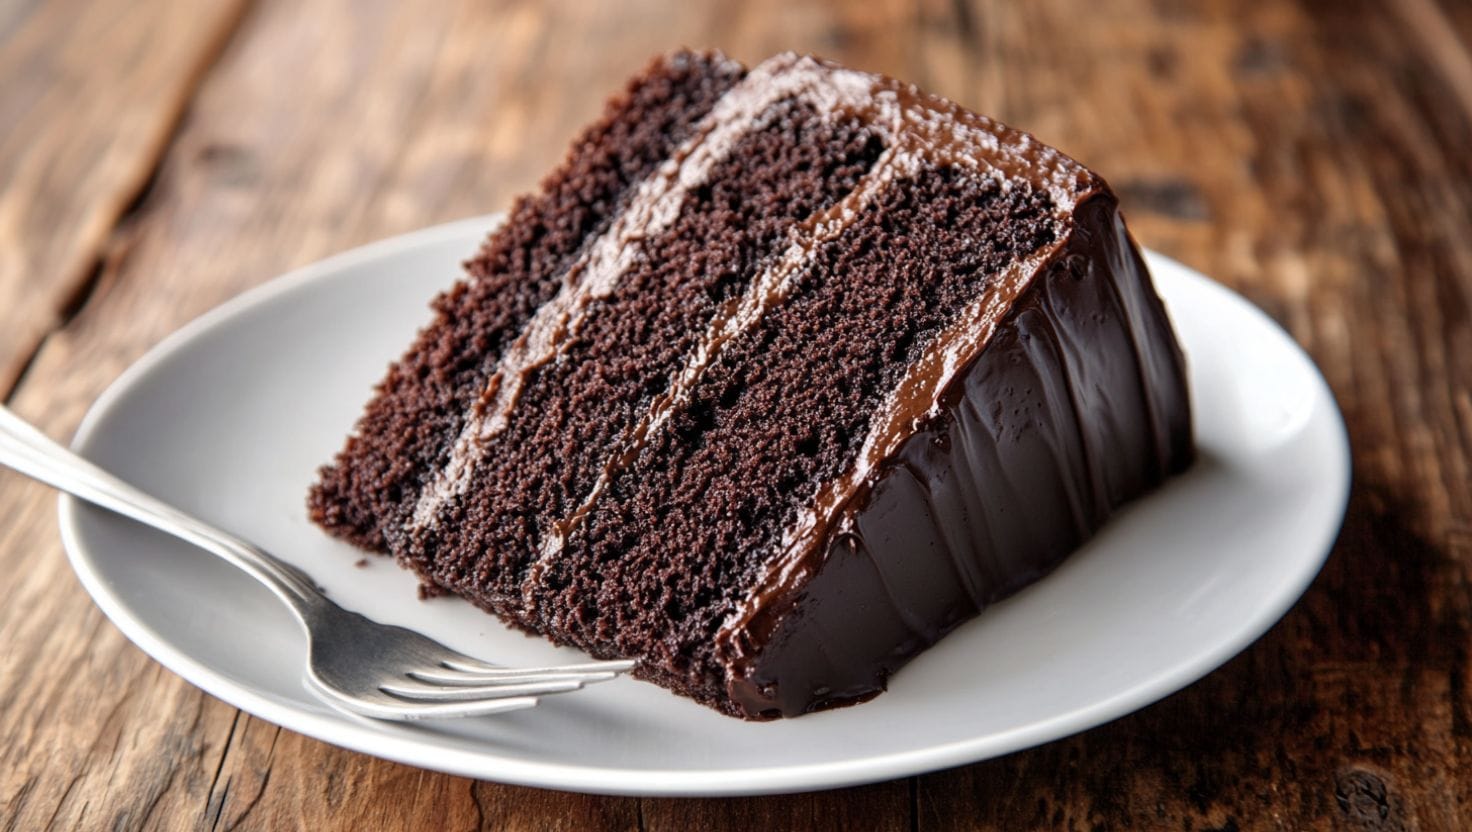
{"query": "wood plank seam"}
[(70, 787), (1427, 22), (261, 788), (210, 803), (19, 803), (80, 281), (112, 255)]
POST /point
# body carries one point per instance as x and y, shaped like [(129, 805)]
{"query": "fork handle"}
[(29, 451)]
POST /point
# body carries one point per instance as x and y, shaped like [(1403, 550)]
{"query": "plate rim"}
[(370, 738)]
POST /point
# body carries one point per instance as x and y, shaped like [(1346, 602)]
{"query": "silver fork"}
[(353, 662)]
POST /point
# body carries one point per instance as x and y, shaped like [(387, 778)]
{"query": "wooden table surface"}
[(160, 156)]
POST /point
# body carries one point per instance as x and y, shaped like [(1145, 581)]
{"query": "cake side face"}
[(784, 411), (408, 428), (1077, 405), (624, 330), (835, 355), (775, 327)]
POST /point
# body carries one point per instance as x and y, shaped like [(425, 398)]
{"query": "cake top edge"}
[(937, 128)]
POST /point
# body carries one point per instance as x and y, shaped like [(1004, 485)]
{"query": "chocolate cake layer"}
[(408, 428), (1076, 406), (690, 524), (582, 394), (843, 365)]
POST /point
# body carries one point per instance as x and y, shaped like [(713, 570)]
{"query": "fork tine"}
[(347, 653), (408, 711), (465, 664), (402, 710), (455, 677), (437, 693)]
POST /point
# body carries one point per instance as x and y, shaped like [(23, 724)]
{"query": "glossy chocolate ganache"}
[(1076, 404), (782, 376)]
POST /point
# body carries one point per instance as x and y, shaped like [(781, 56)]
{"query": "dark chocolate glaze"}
[(1076, 405)]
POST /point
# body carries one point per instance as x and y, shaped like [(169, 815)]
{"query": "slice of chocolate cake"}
[(782, 376)]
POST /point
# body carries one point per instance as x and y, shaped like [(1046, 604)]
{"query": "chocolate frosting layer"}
[(1076, 404)]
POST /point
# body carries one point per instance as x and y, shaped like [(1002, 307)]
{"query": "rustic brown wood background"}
[(159, 156)]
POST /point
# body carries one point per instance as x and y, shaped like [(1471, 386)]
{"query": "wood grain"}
[(92, 92), (1310, 154)]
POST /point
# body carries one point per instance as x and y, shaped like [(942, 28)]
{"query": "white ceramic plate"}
[(230, 417)]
